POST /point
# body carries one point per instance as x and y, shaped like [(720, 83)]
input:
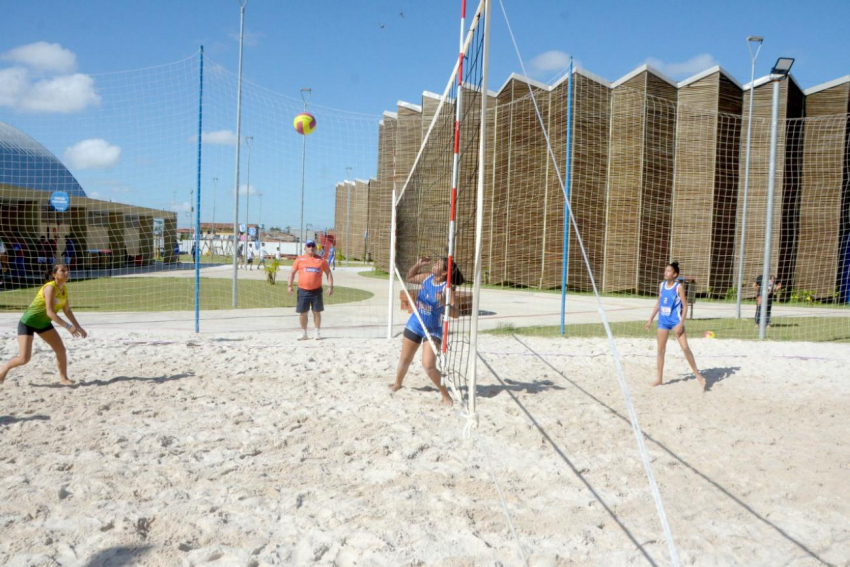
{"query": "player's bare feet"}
[(447, 401), (701, 381), (3, 376), (656, 383), (66, 382), (395, 387)]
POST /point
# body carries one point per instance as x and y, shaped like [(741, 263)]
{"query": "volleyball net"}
[(110, 184)]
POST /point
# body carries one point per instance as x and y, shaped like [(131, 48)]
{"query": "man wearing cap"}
[(310, 268)]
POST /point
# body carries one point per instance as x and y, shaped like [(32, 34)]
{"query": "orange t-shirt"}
[(310, 270)]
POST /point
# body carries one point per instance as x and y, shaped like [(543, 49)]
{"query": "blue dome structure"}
[(26, 163)]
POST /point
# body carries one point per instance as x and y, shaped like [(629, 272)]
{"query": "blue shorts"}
[(665, 324), (415, 329)]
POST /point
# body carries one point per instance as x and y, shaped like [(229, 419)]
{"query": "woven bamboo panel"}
[(359, 216), (696, 155), (825, 189), (522, 189), (489, 183), (726, 187), (754, 241), (622, 227), (339, 216), (408, 141), (657, 182), (495, 223), (381, 205), (589, 178), (791, 185)]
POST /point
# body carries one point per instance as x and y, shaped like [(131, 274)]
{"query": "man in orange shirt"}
[(310, 268)]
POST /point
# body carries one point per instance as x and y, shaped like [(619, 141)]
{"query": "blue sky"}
[(363, 56)]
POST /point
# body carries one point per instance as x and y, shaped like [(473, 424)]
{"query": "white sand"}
[(266, 451)]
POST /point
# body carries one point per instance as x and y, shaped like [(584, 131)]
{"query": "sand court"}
[(250, 449)]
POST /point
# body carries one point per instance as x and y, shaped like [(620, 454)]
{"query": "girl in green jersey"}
[(38, 320)]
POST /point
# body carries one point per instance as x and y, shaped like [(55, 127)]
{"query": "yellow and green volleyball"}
[(304, 123)]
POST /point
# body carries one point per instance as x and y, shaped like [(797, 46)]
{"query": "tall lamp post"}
[(778, 74), (751, 40), (235, 282)]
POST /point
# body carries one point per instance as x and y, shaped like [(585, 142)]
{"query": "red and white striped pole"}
[(455, 176)]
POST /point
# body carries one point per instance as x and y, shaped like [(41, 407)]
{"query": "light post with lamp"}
[(778, 74)]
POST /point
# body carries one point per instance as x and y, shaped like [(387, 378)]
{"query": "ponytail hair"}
[(456, 276), (675, 266)]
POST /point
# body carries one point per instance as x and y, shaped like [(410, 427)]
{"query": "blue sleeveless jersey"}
[(670, 306), (429, 308)]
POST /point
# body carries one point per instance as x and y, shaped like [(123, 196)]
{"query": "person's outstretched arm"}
[(49, 295), (69, 313)]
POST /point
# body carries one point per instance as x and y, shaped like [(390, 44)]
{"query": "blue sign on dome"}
[(60, 201)]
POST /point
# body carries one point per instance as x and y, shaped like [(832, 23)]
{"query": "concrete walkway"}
[(368, 318)]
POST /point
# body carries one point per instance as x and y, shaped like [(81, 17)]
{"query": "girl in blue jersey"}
[(671, 308), (430, 306)]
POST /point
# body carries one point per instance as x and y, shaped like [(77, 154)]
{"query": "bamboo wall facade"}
[(381, 211), (516, 225), (825, 193), (787, 184), (706, 181), (657, 174), (640, 181), (589, 176)]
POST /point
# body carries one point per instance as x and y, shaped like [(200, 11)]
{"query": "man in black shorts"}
[(310, 268)]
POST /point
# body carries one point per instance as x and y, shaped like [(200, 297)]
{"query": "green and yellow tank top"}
[(36, 314)]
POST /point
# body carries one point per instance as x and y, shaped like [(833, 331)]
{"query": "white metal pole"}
[(234, 303), (771, 182), (746, 176), (391, 269), (479, 221)]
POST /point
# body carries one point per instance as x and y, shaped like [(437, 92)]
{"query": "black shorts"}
[(408, 334), (310, 299), (24, 329)]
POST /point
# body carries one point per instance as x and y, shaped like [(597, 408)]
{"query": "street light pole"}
[(777, 75), (750, 41), (242, 4)]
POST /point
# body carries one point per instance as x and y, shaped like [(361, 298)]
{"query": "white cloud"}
[(683, 69), (549, 62), (184, 207), (243, 189), (64, 94), (43, 57), (42, 80), (14, 82), (218, 137), (92, 154)]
